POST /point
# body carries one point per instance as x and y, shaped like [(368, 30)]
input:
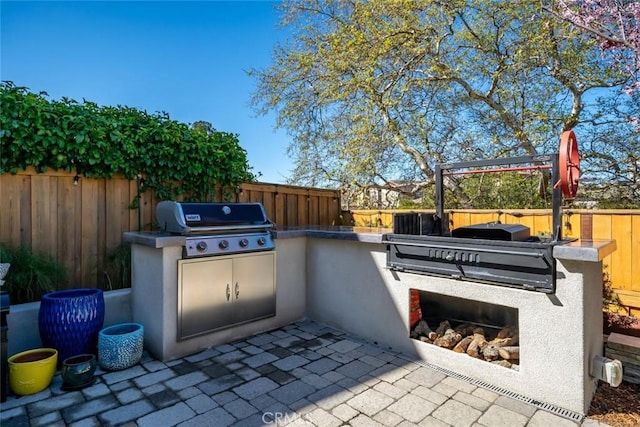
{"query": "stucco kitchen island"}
[(338, 276)]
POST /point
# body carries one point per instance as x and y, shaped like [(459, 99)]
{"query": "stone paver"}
[(457, 414), (412, 408), (304, 374), (499, 416), (370, 402), (255, 388)]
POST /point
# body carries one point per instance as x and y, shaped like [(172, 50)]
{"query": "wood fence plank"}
[(602, 230), (40, 214), (303, 209), (90, 228), (25, 211), (314, 213), (635, 254), (323, 211), (268, 203), (132, 223), (68, 226), (573, 230), (621, 258), (101, 231), (11, 187), (292, 209), (280, 217)]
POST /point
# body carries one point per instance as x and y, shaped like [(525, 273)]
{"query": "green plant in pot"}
[(31, 274)]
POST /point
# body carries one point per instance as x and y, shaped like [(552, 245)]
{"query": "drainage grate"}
[(574, 416)]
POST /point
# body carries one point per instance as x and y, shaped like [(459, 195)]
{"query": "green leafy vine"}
[(176, 161)]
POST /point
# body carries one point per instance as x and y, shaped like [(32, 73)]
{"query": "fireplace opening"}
[(481, 330)]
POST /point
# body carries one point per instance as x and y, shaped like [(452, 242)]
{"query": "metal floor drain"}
[(574, 416)]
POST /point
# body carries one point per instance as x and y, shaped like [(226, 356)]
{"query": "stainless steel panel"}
[(219, 292), (205, 300), (254, 287)]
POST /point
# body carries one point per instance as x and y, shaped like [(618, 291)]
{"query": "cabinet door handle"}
[(237, 290), (228, 292)]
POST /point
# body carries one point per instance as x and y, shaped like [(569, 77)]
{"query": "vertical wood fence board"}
[(25, 211), (132, 187), (542, 225), (573, 231), (101, 230), (303, 209), (314, 214), (280, 214), (90, 223), (10, 207), (621, 232), (602, 230), (112, 213), (635, 254), (69, 202), (323, 210), (148, 212), (41, 214), (292, 209), (268, 202)]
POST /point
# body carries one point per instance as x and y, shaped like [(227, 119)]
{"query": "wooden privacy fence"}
[(623, 226), (80, 224)]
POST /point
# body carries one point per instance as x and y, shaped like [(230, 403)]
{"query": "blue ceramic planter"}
[(120, 346), (70, 321)]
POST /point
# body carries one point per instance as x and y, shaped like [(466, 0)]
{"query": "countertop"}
[(578, 250)]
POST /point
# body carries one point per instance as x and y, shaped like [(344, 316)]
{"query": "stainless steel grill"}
[(494, 253), (226, 275), (217, 228)]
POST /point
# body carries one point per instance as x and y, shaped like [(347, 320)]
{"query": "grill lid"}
[(494, 231), (190, 218)]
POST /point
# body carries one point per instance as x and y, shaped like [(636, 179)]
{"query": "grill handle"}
[(216, 228), (460, 248)]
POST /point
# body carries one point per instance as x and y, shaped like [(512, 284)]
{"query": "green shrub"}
[(99, 142), (117, 271), (31, 275)]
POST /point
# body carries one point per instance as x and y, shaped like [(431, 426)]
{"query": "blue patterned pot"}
[(70, 320), (120, 346)]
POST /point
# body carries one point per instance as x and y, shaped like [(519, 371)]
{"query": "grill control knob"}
[(223, 244), (244, 243), (262, 241), (201, 246)]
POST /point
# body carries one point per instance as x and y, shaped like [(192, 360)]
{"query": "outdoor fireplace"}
[(485, 331)]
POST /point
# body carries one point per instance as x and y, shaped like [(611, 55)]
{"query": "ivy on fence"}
[(101, 141)]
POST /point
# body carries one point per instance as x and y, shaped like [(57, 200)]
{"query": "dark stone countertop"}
[(579, 250)]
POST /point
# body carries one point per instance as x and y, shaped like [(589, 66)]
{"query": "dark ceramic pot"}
[(70, 320), (77, 371)]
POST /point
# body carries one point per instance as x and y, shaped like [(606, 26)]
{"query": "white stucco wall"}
[(349, 287), (23, 320)]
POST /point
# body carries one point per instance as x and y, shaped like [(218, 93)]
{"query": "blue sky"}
[(185, 58)]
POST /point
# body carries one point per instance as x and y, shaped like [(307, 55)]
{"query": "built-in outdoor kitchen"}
[(219, 272)]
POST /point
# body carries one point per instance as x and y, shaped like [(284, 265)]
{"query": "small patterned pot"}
[(120, 346)]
